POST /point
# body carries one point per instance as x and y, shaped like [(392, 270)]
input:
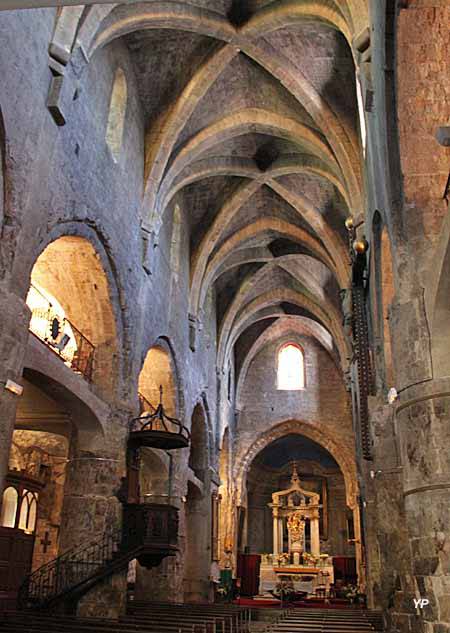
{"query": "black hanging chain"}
[(364, 366), (360, 327)]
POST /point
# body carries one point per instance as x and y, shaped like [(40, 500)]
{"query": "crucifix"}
[(45, 542)]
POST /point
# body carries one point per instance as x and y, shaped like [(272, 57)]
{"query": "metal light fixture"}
[(349, 223), (14, 387), (360, 246)]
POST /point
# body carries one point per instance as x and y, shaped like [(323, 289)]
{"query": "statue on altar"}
[(292, 510), (296, 529)]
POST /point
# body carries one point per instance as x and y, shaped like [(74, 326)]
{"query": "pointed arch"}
[(339, 451), (73, 267)]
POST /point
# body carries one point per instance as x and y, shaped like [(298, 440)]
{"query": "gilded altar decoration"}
[(296, 526), (291, 510), (295, 557)]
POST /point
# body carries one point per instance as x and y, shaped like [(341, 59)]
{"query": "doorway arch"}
[(341, 453)]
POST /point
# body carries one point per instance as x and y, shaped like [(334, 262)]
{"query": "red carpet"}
[(305, 604)]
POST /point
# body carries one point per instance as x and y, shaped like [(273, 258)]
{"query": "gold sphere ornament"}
[(360, 246), (349, 223)]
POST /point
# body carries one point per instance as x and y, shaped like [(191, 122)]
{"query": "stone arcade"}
[(224, 248)]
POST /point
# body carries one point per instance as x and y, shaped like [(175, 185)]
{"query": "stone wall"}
[(58, 181), (321, 412), (405, 488), (323, 404), (64, 181)]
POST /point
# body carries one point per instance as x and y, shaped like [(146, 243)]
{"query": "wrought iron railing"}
[(149, 533), (60, 334), (69, 571)]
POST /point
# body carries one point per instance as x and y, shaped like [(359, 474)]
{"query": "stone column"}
[(13, 340), (91, 507), (315, 537), (275, 535), (422, 418), (358, 547), (387, 554), (198, 550)]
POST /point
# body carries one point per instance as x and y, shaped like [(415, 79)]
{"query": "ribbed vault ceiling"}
[(252, 124)]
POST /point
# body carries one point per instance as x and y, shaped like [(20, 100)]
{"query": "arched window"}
[(291, 368), (175, 246), (116, 117), (9, 507), (362, 114), (27, 520)]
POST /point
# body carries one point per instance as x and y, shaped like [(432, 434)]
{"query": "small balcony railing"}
[(60, 335)]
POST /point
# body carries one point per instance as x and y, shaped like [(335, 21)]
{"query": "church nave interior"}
[(224, 314)]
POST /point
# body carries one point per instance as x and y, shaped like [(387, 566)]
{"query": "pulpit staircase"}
[(149, 533), (68, 577)]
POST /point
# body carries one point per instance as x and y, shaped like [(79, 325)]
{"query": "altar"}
[(303, 577), (303, 567)]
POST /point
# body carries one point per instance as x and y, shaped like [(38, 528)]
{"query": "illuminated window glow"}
[(291, 368), (362, 114), (27, 520), (117, 111), (9, 507)]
